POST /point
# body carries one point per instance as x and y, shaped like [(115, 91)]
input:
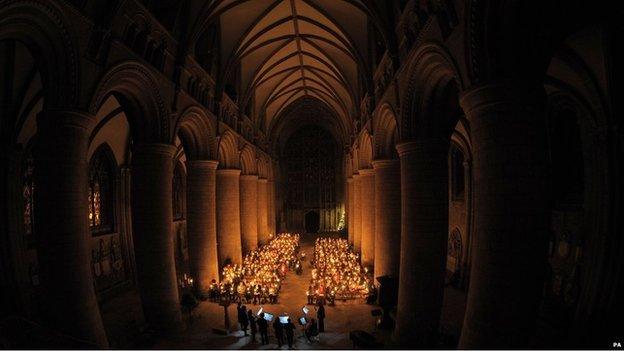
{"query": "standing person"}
[(311, 330), (290, 332), (242, 317), (263, 328), (279, 332), (252, 325), (320, 315)]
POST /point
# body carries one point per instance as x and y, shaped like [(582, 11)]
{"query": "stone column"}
[(350, 209), (152, 219), (271, 202), (63, 235), (263, 230), (249, 212), (424, 233), (387, 217), (201, 222), (511, 215), (367, 180), (229, 246), (357, 213)]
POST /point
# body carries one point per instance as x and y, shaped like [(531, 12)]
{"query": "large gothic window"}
[(28, 197), (310, 160), (178, 193), (101, 190)]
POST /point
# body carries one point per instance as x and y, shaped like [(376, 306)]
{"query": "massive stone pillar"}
[(424, 233), (367, 181), (350, 209), (357, 213), (511, 216), (249, 212), (64, 248), (201, 222), (152, 219), (229, 246), (271, 223), (263, 230), (387, 217)]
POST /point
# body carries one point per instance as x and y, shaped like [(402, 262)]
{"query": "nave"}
[(470, 152), (341, 318)]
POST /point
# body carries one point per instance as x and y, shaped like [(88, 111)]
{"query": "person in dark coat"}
[(242, 317), (279, 332), (252, 325), (289, 328), (263, 328), (311, 330), (320, 315)]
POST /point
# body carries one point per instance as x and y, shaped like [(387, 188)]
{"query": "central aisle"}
[(340, 319)]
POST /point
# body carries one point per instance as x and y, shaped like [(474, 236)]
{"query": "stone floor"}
[(340, 320)]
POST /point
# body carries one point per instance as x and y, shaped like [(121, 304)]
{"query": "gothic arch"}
[(365, 154), (136, 89), (228, 150), (430, 103), (263, 166), (385, 133), (248, 160), (41, 27), (103, 171), (197, 133)]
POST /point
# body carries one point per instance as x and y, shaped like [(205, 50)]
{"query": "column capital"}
[(409, 147), (231, 172), (263, 180), (366, 172), (249, 176), (154, 148), (387, 163), (65, 118), (203, 164), (498, 96)]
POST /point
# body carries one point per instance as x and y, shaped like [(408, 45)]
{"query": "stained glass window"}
[(28, 194), (178, 193), (101, 192)]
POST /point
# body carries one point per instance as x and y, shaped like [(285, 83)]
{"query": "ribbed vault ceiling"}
[(294, 49)]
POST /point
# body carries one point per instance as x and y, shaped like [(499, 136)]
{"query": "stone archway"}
[(312, 222)]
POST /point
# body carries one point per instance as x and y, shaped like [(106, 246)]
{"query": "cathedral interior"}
[(387, 173)]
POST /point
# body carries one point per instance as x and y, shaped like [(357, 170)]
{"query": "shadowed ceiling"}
[(290, 50)]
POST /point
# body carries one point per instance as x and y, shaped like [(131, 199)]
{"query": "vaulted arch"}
[(197, 133), (136, 89), (385, 133), (279, 51), (54, 52), (248, 160), (228, 150)]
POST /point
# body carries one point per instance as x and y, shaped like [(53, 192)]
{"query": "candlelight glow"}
[(337, 273), (259, 278)]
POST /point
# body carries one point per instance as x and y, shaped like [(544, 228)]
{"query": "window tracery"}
[(101, 193)]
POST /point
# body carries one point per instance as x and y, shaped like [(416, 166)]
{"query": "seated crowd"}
[(258, 280), (337, 273)]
